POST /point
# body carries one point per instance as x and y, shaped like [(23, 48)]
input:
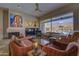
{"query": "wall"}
[(1, 24), (27, 19), (28, 22), (5, 22), (31, 23)]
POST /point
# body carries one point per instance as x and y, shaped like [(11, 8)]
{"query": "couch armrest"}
[(51, 51)]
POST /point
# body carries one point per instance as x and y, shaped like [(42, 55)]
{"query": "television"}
[(32, 31)]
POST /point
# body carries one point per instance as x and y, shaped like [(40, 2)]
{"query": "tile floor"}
[(4, 47)]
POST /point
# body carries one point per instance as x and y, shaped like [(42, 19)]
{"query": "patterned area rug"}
[(4, 47)]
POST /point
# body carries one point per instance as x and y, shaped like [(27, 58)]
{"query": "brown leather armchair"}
[(21, 48), (51, 50)]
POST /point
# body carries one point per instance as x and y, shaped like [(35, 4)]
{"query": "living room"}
[(39, 29)]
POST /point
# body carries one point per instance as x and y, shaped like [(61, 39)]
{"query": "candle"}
[(36, 44)]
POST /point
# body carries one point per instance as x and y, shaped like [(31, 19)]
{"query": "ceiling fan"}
[(37, 9)]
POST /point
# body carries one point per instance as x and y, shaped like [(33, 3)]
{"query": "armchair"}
[(19, 48)]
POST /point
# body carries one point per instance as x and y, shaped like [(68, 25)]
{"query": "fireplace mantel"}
[(14, 29)]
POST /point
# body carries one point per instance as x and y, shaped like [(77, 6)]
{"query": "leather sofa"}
[(53, 50), (20, 48), (59, 45)]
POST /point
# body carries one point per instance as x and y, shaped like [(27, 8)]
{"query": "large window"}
[(63, 25), (47, 27), (60, 24)]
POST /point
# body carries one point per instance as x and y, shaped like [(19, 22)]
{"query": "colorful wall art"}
[(15, 20)]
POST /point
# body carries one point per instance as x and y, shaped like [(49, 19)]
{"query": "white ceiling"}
[(29, 8)]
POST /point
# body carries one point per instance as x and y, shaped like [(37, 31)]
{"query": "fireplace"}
[(13, 33)]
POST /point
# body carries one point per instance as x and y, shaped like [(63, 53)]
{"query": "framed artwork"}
[(15, 20)]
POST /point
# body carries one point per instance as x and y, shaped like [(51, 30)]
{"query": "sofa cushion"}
[(59, 45), (26, 43), (23, 41)]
